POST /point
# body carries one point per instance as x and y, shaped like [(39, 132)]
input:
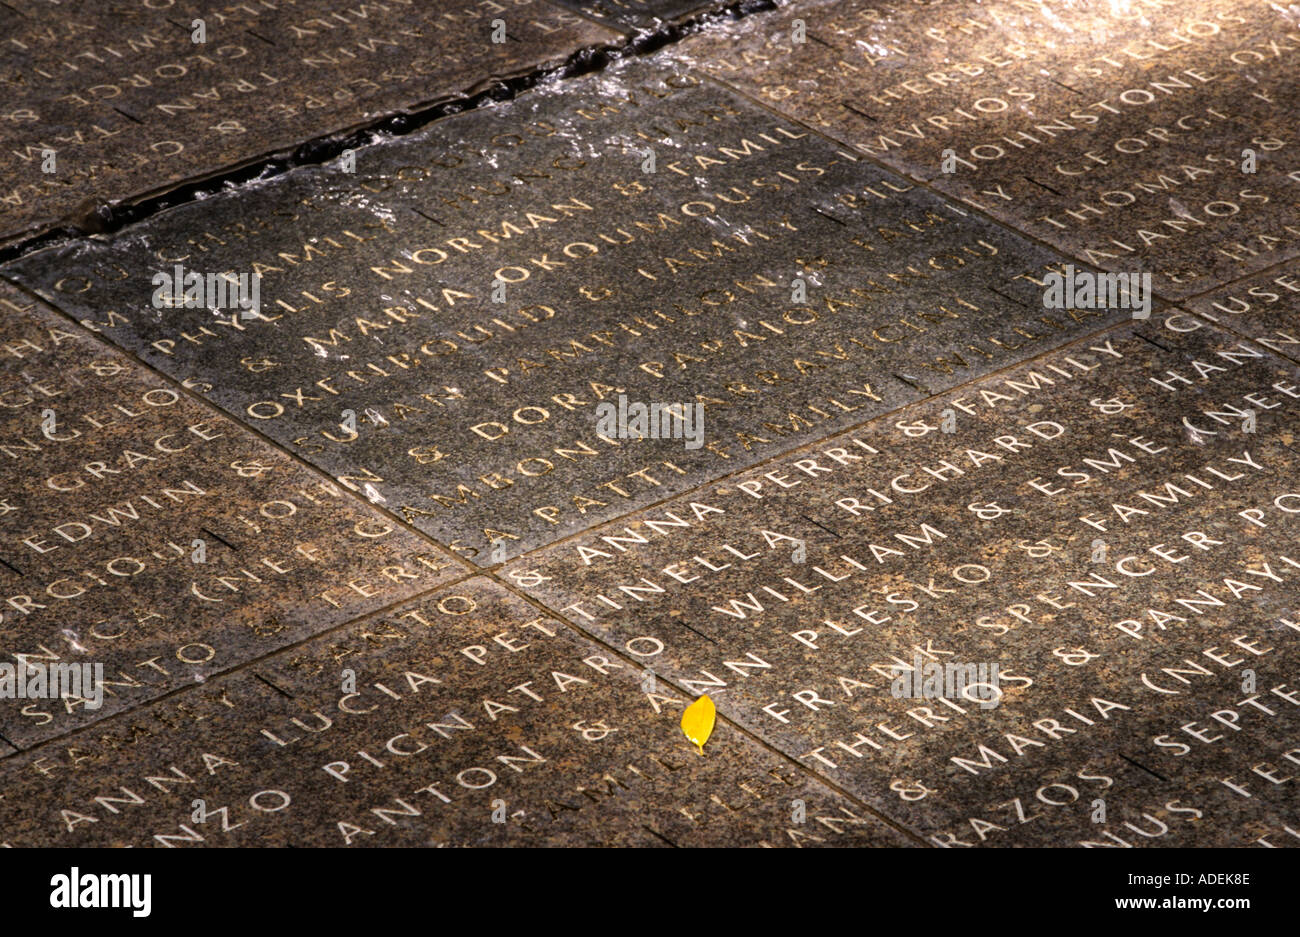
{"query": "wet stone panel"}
[(144, 532), (1119, 136), (1111, 527), (483, 297), (106, 102), (466, 719)]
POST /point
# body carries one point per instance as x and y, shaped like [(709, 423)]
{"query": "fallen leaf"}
[(697, 721)]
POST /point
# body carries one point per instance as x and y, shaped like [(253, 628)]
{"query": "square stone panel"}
[(474, 295), (131, 105), (145, 532), (466, 706), (1147, 661), (1117, 135)]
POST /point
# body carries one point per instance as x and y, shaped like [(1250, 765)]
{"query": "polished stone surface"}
[(132, 105), (1116, 133), (758, 271), (1115, 546), (144, 531), (473, 720)]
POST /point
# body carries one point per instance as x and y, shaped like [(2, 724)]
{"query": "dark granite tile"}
[(468, 703), (477, 419), (148, 533), (1115, 134), (132, 105), (796, 592)]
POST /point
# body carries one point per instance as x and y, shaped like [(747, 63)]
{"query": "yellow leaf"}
[(697, 721)]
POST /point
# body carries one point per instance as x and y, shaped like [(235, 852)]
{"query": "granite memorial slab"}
[(106, 102), (467, 718), (488, 297), (145, 536), (1142, 136), (1071, 583)]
